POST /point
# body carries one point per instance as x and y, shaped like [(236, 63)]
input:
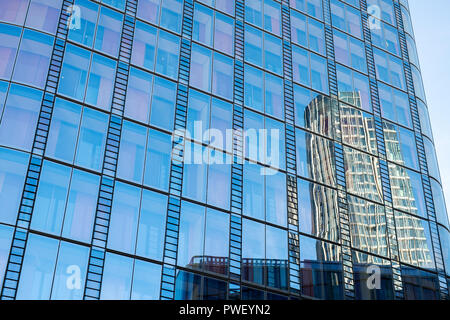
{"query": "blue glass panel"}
[(276, 258), (88, 20), (272, 54), (201, 64), (144, 46), (216, 241), (101, 80), (62, 138), (276, 205), (51, 198), (253, 46), (157, 161), (148, 10), (163, 104), (81, 206), (187, 286), (33, 58), (139, 94), (253, 88), (132, 152), (18, 124), (203, 25), (124, 218), (195, 172), (107, 38), (253, 191), (38, 267), (13, 11), (191, 237), (146, 281), (6, 235), (219, 179), (151, 229), (74, 72), (171, 14), (167, 55), (92, 139), (13, 168), (117, 277), (253, 251), (70, 272), (223, 76)]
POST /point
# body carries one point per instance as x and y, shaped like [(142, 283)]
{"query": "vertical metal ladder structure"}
[(168, 272), (429, 203), (344, 223), (100, 231), (27, 202), (291, 161), (384, 170), (235, 250)]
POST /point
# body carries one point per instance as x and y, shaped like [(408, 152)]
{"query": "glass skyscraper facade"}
[(216, 149)]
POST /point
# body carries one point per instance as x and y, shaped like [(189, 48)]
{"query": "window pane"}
[(13, 11), (195, 172), (368, 226), (253, 251), (71, 268), (101, 80), (81, 206), (253, 12), (224, 33), (6, 235), (318, 212), (152, 221), (167, 55), (74, 72), (144, 46), (63, 130), (310, 147), (148, 10), (321, 269), (407, 190), (274, 96), (117, 274), (124, 218), (191, 235), (253, 88), (272, 54), (18, 124), (319, 74), (362, 174), (276, 258), (272, 17), (33, 58), (88, 20), (139, 93), (414, 240), (223, 76), (400, 145), (157, 161), (300, 65), (171, 12), (221, 121), (37, 270), (13, 168), (163, 104), (219, 179), (109, 29), (439, 204), (253, 191), (202, 25), (216, 240), (316, 36), (132, 152), (92, 139), (432, 161), (201, 61), (298, 28), (51, 198), (276, 206), (253, 46), (146, 281)]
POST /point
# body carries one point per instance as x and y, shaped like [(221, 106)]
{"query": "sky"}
[(431, 25)]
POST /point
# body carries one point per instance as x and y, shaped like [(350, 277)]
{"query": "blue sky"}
[(431, 25)]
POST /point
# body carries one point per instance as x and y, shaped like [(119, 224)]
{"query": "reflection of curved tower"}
[(368, 223)]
